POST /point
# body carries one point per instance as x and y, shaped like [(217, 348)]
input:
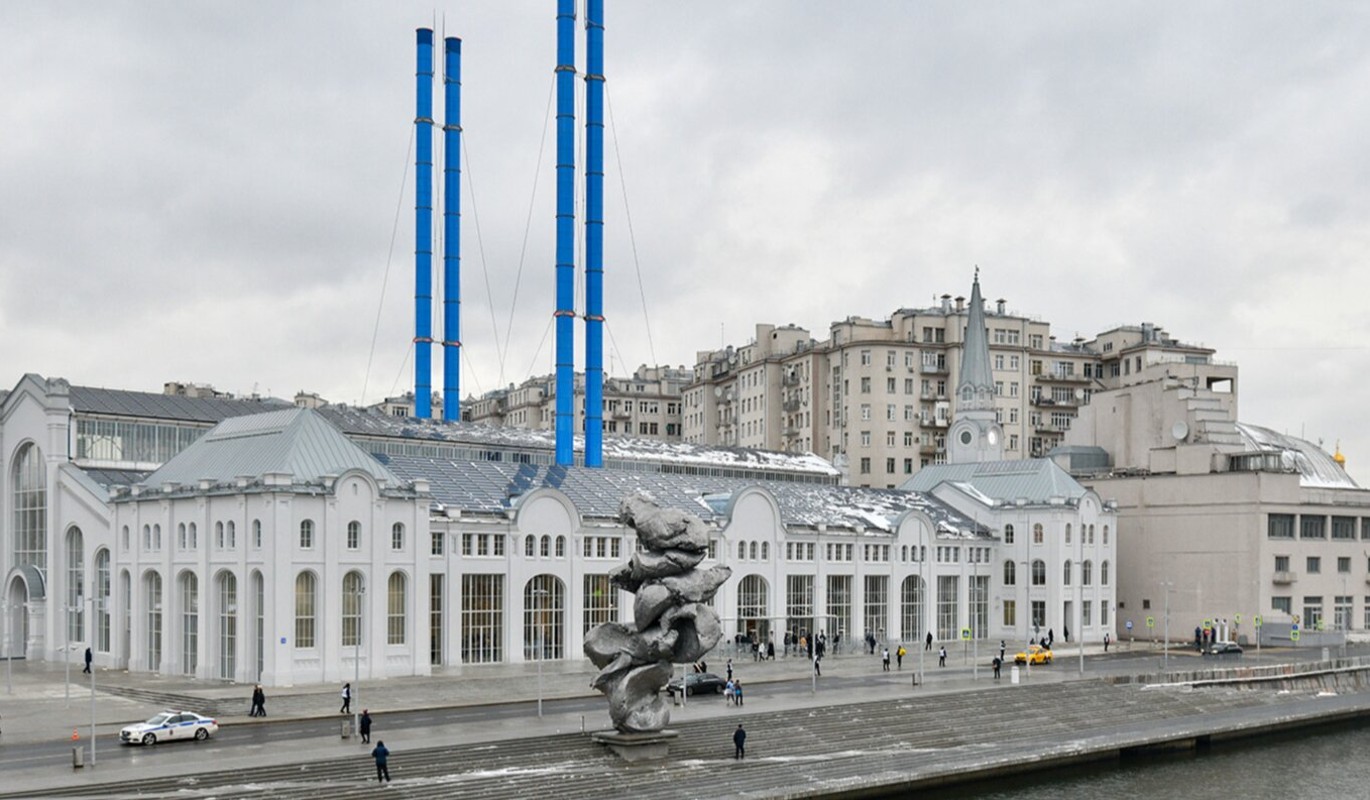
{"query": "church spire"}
[(975, 388)]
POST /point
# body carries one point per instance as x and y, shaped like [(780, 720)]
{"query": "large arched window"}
[(152, 596), (259, 611), (911, 604), (352, 588), (1065, 573), (29, 499), (190, 622), (102, 587), (753, 603), (228, 625), (306, 598), (395, 603), (1010, 573), (1085, 569), (1039, 572), (1103, 573), (544, 623), (76, 570)]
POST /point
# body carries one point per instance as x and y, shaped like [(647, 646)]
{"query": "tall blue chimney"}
[(594, 234), (565, 255), (451, 236), (423, 231)]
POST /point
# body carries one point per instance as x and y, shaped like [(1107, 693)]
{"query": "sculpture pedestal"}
[(633, 747)]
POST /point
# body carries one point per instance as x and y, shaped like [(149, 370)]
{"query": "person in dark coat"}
[(381, 754), (258, 702), (346, 698), (89, 656), (739, 743), (366, 726), (997, 664), (927, 643)]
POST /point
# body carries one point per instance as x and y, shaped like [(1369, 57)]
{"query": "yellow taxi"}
[(1037, 653)]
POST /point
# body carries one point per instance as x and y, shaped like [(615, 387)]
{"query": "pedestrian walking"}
[(927, 643), (942, 657), (817, 670), (89, 657), (886, 659), (997, 663), (381, 754), (346, 698), (366, 727), (737, 692), (739, 743), (1002, 648), (1106, 641), (770, 650), (899, 654), (728, 691), (1065, 632), (258, 702), (730, 669)]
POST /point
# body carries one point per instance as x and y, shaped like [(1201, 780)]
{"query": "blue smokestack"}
[(594, 234), (566, 177), (451, 238), (423, 231)]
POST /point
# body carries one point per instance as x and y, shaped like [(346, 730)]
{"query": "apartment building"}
[(648, 404)]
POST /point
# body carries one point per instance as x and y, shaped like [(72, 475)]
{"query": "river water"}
[(1330, 764)]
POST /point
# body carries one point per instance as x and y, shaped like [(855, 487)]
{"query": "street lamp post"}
[(1027, 617), (1165, 640), (1080, 606), (66, 640), (94, 611), (9, 669), (923, 604), (538, 594)]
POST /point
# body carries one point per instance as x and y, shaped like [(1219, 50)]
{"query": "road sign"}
[(1208, 624), (1129, 624), (1151, 622), (965, 633), (1238, 618), (1294, 627), (1295, 617), (1322, 625), (1258, 620), (1294, 635)]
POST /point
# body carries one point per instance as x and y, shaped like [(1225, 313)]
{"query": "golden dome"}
[(1338, 457)]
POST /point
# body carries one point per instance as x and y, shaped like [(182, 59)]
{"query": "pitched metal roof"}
[(1315, 466), (118, 402), (297, 441), (494, 487), (1035, 480), (975, 369)]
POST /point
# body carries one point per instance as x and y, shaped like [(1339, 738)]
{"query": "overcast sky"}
[(208, 191)]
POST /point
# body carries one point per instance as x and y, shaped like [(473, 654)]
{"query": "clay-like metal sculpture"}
[(672, 621)]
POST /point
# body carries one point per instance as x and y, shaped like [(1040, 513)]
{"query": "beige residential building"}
[(647, 405)]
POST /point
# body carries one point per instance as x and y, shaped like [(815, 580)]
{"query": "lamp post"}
[(66, 639), (1080, 606), (9, 669), (538, 594), (94, 611), (1165, 639), (923, 604), (357, 657), (1027, 617)]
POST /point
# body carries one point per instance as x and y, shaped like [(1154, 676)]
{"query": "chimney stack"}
[(451, 237), (565, 248), (594, 233), (423, 230)]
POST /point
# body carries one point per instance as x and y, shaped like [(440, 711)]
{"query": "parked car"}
[(698, 683), (1036, 652), (1223, 649), (169, 726)]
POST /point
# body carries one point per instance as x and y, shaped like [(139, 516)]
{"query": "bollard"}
[(347, 729), (1013, 675), (78, 757)]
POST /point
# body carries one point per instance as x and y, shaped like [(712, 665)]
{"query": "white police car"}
[(169, 726)]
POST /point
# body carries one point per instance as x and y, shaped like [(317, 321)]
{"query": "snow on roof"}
[(1316, 468)]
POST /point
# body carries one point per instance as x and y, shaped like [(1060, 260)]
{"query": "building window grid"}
[(948, 590), (190, 623), (228, 626), (306, 599), (482, 618), (876, 605), (544, 624), (396, 601), (600, 601), (839, 603), (352, 599)]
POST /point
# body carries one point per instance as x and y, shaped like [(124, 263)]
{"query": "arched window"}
[(1085, 569), (76, 571), (232, 534), (397, 536), (395, 603), (228, 625), (354, 535), (1010, 573), (529, 545), (911, 601), (194, 535), (1039, 572), (1091, 534), (741, 550), (1065, 574), (307, 535), (190, 622), (765, 551), (753, 608), (256, 534), (545, 546), (181, 540), (102, 587), (1105, 534), (1067, 533), (544, 623), (352, 588), (1008, 534), (904, 553), (561, 547), (753, 551), (123, 537), (156, 536), (219, 535), (1037, 536), (29, 499), (147, 536), (306, 596), (152, 594), (1103, 573)]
